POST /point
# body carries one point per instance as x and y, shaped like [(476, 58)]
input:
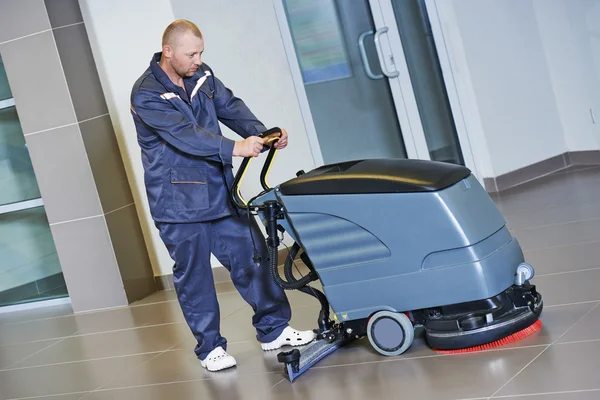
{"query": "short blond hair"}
[(178, 28)]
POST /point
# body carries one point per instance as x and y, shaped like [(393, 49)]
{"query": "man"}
[(177, 105)]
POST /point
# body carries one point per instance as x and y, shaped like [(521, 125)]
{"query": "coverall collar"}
[(164, 79)]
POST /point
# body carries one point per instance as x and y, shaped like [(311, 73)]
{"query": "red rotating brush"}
[(536, 326)]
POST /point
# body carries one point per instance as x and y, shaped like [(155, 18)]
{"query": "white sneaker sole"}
[(219, 367), (277, 344)]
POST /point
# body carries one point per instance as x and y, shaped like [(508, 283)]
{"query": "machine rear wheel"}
[(390, 333)]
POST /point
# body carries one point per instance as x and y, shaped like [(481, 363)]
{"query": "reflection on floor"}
[(146, 352)]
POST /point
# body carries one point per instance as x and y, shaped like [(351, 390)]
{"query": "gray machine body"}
[(403, 251)]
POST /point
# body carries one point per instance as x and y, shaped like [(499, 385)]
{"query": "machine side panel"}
[(473, 211), (464, 255), (437, 241), (437, 287), (333, 242), (410, 225)]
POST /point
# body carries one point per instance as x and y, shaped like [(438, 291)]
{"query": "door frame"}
[(401, 86), (402, 90), (452, 83)]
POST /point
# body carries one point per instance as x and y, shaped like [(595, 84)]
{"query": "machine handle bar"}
[(271, 136)]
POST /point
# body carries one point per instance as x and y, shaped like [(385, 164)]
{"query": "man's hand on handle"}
[(283, 140), (250, 147)]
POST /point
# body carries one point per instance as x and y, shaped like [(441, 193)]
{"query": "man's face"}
[(186, 56)]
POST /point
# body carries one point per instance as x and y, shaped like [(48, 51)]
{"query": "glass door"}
[(408, 49), (350, 100), (29, 266), (372, 84)]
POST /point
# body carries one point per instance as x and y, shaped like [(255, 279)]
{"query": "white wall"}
[(570, 61), (584, 16), (512, 85), (123, 40), (527, 74), (457, 75), (591, 26), (243, 46)]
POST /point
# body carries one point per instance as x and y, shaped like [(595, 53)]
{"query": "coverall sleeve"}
[(172, 126), (234, 113)]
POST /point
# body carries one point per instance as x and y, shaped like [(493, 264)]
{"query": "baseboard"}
[(220, 274), (540, 169)]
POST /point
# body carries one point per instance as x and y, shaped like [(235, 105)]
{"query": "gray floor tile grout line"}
[(273, 387), (510, 396), (473, 398), (31, 355), (572, 304), (529, 228), (110, 310), (549, 393), (129, 372), (172, 349), (129, 329), (543, 351), (33, 341), (70, 315), (569, 272), (562, 246), (235, 312), (48, 395), (578, 342), (163, 383), (77, 334), (83, 361), (390, 360), (521, 370)]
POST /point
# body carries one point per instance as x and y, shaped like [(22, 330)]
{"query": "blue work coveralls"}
[(188, 177)]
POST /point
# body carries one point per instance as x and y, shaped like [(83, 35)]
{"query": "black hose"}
[(287, 270), (272, 211), (293, 285)]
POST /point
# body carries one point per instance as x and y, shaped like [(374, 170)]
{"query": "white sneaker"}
[(217, 360), (290, 337)]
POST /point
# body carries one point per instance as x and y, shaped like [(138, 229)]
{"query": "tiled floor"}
[(145, 351)]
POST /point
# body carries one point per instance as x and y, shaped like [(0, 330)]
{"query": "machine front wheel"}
[(390, 333)]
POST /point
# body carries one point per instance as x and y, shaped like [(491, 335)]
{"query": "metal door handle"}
[(389, 74), (363, 55)]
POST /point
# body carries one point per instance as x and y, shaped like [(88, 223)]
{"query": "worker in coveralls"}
[(177, 105)]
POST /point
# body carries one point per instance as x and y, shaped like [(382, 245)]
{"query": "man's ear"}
[(167, 51)]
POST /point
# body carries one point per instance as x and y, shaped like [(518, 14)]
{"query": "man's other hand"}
[(283, 140), (250, 147)]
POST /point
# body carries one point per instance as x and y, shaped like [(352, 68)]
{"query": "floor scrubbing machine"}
[(396, 244)]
